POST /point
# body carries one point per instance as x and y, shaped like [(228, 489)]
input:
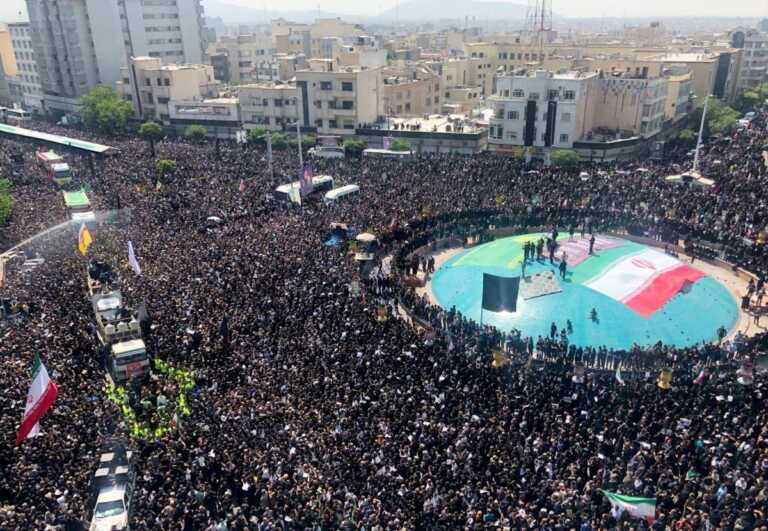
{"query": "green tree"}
[(307, 141), (104, 109), (354, 146), (400, 145), (748, 101), (565, 158), (256, 136), (151, 132), (721, 119), (195, 133), (279, 141), (165, 166), (6, 201), (687, 135)]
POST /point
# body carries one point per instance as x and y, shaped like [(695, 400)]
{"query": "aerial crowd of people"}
[(316, 412)]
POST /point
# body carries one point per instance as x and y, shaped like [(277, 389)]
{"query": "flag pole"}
[(298, 136)]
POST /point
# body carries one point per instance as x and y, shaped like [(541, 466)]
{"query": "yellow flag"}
[(84, 239)]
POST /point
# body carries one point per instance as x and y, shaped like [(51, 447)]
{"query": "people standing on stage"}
[(540, 249), (552, 330), (563, 267), (522, 266), (592, 244)]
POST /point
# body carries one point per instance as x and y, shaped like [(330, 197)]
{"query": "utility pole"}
[(701, 133)]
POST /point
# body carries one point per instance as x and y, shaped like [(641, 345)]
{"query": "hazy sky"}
[(9, 9)]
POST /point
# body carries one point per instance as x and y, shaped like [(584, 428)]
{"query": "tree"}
[(307, 141), (195, 133), (104, 109), (354, 146), (748, 100), (279, 141), (565, 158), (165, 166), (6, 201), (152, 132), (721, 119), (400, 145), (687, 135), (256, 136)]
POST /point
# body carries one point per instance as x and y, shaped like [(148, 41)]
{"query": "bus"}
[(14, 116), (387, 154), (55, 168), (337, 193), (77, 202), (290, 191), (328, 152)]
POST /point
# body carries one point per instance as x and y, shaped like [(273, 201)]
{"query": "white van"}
[(338, 193), (328, 152)]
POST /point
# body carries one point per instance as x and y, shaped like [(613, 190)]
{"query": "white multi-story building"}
[(753, 70), (541, 109), (26, 66), (80, 44), (272, 106)]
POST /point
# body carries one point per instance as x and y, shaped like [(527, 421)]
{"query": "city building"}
[(80, 44), (271, 106), (413, 90), (540, 109), (29, 78), (7, 56), (151, 86), (628, 106), (457, 134), (219, 116), (242, 56), (335, 102), (753, 69)]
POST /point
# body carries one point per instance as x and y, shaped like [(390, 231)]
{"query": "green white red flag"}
[(40, 397), (637, 507)]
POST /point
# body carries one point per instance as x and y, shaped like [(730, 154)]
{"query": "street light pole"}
[(701, 133)]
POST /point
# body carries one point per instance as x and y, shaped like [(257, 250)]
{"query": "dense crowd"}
[(316, 414)]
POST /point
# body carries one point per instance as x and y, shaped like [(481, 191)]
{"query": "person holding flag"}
[(84, 239), (41, 395)]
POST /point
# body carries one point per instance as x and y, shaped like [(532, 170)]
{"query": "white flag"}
[(132, 260)]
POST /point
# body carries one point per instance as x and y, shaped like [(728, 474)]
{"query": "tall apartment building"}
[(80, 44), (335, 102), (541, 109), (26, 66), (754, 60)]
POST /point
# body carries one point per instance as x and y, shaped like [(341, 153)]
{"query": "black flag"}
[(500, 293)]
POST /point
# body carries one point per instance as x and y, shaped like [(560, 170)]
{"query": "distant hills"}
[(413, 10), (429, 10)]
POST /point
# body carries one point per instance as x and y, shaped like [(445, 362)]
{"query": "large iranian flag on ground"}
[(41, 395), (644, 281), (644, 508)]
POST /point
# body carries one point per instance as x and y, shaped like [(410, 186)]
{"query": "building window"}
[(565, 117), (148, 82), (163, 100), (513, 115), (533, 96), (332, 124), (518, 93), (346, 86), (553, 94), (569, 95), (348, 104), (511, 135), (326, 85), (563, 138), (318, 123)]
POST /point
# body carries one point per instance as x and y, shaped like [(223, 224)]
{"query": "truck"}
[(113, 485), (118, 330), (55, 168)]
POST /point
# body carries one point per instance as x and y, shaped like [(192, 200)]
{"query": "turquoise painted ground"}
[(688, 318)]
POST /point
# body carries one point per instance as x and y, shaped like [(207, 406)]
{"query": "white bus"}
[(387, 154), (343, 191), (290, 191), (14, 116), (328, 152)]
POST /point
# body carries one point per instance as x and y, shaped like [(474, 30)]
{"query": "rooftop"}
[(435, 123)]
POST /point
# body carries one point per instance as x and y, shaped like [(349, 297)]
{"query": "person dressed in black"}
[(592, 244)]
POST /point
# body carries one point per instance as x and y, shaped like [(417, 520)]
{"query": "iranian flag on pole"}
[(41, 395), (644, 508)]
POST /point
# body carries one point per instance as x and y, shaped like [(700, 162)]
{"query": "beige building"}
[(271, 106), (243, 55), (628, 106), (679, 92), (702, 66), (413, 90), (335, 102), (7, 57), (151, 86)]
